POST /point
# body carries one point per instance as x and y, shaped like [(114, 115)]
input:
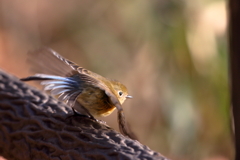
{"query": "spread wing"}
[(64, 77), (43, 60)]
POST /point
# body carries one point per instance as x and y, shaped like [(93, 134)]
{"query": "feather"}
[(59, 91), (53, 82), (44, 61)]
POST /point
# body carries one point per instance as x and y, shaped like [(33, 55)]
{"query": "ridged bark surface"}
[(35, 126)]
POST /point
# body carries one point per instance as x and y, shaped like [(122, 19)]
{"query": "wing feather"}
[(56, 68)]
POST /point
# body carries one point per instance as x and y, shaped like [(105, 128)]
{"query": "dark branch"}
[(234, 50), (36, 126)]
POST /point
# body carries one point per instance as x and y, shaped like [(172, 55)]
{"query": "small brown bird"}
[(86, 92)]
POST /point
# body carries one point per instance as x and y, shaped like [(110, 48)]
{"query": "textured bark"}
[(234, 46), (36, 126)]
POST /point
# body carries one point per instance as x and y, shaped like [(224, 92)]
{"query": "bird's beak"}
[(129, 97)]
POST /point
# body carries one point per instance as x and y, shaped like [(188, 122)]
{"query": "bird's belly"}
[(96, 102)]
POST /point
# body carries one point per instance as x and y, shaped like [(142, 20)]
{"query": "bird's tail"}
[(123, 126)]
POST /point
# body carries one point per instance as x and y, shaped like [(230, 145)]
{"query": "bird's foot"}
[(88, 116), (101, 121)]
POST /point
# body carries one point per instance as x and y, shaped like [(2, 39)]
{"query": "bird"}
[(86, 92)]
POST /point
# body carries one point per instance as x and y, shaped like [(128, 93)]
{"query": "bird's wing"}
[(53, 66), (43, 60)]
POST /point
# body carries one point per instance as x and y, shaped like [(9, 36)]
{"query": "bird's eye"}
[(120, 93)]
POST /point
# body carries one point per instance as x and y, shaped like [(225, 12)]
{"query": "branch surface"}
[(36, 126)]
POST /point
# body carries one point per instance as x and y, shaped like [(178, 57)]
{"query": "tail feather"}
[(123, 126)]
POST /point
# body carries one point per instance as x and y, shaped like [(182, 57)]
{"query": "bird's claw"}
[(101, 121)]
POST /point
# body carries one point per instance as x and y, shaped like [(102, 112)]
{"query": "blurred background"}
[(171, 55)]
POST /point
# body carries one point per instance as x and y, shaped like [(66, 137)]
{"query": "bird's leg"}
[(91, 116), (81, 110), (78, 114)]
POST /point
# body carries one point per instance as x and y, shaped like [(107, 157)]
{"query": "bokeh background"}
[(171, 54)]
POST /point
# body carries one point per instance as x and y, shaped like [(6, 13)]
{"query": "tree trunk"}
[(234, 46)]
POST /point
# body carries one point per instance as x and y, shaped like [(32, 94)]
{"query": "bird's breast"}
[(95, 101)]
